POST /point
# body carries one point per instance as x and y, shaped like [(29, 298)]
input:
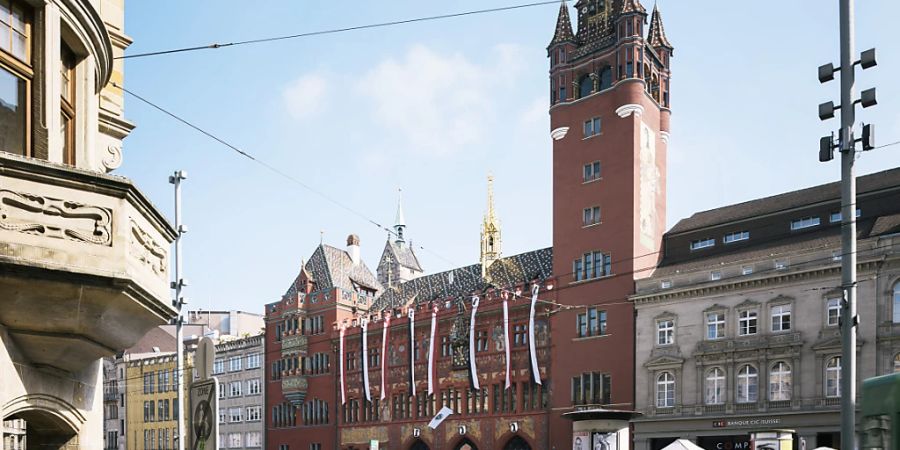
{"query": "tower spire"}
[(490, 232), (563, 31), (657, 34), (399, 220)]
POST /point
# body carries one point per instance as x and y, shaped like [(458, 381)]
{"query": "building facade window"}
[(592, 127), (665, 332), (234, 363), (896, 303), (590, 388), (590, 216), (780, 382), (592, 265), (591, 171), (715, 275), (592, 322), (235, 440), (253, 413), (253, 361), (520, 335), (254, 386), (253, 439), (234, 415), (715, 325), (16, 74), (832, 311), (806, 222), (703, 243), (747, 385), (833, 377), (747, 322), (218, 365), (736, 237), (665, 390), (234, 389), (746, 270), (781, 318), (897, 363), (67, 104), (715, 386)]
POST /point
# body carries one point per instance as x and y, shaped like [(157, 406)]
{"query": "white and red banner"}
[(384, 355), (534, 364), (434, 310), (364, 324), (506, 337), (412, 353), (341, 365), (473, 369)]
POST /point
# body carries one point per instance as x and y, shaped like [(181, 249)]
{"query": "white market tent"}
[(682, 444)]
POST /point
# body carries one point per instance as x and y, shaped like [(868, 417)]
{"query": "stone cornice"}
[(96, 35), (742, 283)]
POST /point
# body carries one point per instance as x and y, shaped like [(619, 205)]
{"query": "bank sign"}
[(746, 422)]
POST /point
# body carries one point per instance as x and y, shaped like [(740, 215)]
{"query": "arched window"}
[(585, 86), (747, 385), (833, 377), (606, 78), (897, 363), (715, 387), (780, 381), (665, 390), (897, 302)]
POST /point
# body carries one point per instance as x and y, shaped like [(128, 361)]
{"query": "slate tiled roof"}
[(403, 254), (331, 267), (629, 6), (657, 34), (563, 31), (886, 225), (786, 201), (465, 280)]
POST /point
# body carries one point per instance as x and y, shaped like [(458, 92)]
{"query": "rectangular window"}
[(833, 311), (746, 270), (254, 439), (253, 386), (838, 216), (715, 325), (253, 413), (67, 103), (591, 323), (703, 243), (591, 216), (592, 171), (780, 265), (736, 236), (234, 389), (592, 127), (253, 361), (234, 415), (781, 318), (445, 346), (218, 365), (15, 31), (715, 275), (747, 322), (805, 222), (665, 332), (592, 265), (520, 335), (665, 284), (234, 363)]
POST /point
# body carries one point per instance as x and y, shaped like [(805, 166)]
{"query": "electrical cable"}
[(215, 46)]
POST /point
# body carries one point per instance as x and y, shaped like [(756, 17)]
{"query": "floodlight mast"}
[(178, 302)]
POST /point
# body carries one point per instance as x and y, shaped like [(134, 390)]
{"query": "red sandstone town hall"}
[(513, 344)]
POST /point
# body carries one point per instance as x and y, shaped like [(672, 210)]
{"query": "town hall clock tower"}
[(609, 120)]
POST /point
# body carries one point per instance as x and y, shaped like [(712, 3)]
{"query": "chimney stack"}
[(353, 248)]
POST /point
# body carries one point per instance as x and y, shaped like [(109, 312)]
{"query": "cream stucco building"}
[(84, 256)]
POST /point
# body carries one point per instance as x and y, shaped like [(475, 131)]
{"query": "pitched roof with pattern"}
[(563, 31), (462, 281), (331, 267), (657, 34), (783, 202), (403, 254), (631, 6)]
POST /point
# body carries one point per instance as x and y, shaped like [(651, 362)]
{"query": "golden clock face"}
[(597, 12)]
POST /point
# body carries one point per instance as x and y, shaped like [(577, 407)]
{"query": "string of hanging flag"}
[(364, 324)]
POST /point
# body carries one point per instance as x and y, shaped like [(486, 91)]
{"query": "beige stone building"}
[(737, 329), (84, 256)]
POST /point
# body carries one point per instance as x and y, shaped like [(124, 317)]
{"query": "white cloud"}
[(536, 113), (438, 103), (303, 96)]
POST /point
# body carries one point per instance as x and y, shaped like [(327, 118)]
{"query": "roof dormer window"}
[(703, 243), (806, 222)]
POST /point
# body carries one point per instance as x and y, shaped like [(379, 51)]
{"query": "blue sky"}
[(433, 107)]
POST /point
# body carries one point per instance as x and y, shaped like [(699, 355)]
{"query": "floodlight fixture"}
[(867, 98), (826, 110), (826, 73), (867, 59)]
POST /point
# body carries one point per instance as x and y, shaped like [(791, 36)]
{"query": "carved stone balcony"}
[(293, 343), (294, 387), (84, 263)]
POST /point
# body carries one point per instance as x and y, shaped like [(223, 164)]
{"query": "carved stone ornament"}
[(113, 158), (459, 341), (55, 218), (146, 250)]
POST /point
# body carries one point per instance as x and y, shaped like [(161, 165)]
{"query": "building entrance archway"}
[(43, 430), (465, 444), (517, 443), (419, 445)]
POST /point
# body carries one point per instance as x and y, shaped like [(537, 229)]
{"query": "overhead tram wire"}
[(384, 228), (216, 46)]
